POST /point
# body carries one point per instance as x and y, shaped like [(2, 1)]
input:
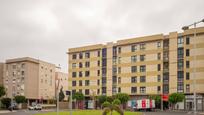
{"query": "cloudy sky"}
[(45, 29)]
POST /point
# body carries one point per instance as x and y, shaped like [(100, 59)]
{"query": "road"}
[(26, 112)]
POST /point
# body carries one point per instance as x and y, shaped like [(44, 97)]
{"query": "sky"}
[(45, 29)]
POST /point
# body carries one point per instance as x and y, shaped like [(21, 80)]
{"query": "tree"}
[(61, 94), (175, 98), (6, 102), (123, 97), (102, 99), (110, 107), (2, 91), (78, 96), (157, 100), (20, 99)]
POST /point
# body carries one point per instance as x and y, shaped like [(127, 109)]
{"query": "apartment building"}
[(143, 66), (62, 78), (32, 78)]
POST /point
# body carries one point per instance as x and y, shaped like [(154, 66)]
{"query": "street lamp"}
[(194, 58), (57, 90)]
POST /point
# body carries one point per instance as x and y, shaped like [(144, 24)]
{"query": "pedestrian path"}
[(5, 111)]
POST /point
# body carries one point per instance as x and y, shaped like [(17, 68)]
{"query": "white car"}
[(31, 108), (38, 107), (35, 107)]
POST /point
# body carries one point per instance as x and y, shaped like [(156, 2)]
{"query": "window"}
[(187, 88), (98, 91), (159, 67), (22, 65), (180, 87), (99, 53), (73, 83), (74, 74), (80, 90), (166, 88), (158, 44), (180, 76), (187, 52), (86, 91), (133, 48), (187, 64), (22, 73), (134, 79), (119, 60), (14, 66), (80, 65), (73, 92), (87, 73), (119, 70), (142, 79), (114, 79), (158, 88), (180, 52), (114, 70), (119, 89), (142, 46), (180, 64), (98, 82), (80, 74), (87, 55), (119, 80), (73, 65), (142, 68), (80, 55), (180, 42), (187, 40), (142, 57), (158, 78), (74, 56), (119, 50), (86, 82), (98, 73), (134, 69), (80, 83), (142, 90), (158, 56), (98, 63), (87, 64), (114, 60), (133, 89), (134, 58), (187, 76)]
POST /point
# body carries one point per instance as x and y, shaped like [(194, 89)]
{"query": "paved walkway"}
[(6, 111)]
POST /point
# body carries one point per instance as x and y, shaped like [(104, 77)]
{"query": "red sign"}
[(165, 97), (143, 103)]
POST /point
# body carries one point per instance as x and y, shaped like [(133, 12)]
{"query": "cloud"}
[(46, 29)]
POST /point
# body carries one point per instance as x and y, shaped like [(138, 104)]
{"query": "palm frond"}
[(118, 109), (106, 110)]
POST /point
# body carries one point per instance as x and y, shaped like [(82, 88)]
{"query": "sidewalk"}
[(5, 111)]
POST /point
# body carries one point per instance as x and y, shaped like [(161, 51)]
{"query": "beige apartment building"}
[(32, 78), (143, 66), (63, 82)]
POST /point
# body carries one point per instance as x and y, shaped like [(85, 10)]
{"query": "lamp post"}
[(57, 90), (194, 58)]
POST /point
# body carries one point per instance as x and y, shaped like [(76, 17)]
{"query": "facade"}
[(63, 78), (143, 66), (1, 73), (32, 78)]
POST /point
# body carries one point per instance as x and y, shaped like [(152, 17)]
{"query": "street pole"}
[(71, 103), (162, 102), (194, 70), (57, 101)]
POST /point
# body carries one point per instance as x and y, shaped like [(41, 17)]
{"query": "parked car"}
[(35, 107), (31, 108), (38, 107)]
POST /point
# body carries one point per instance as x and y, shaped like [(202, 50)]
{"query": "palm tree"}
[(110, 107)]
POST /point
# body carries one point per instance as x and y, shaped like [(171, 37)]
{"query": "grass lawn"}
[(89, 112)]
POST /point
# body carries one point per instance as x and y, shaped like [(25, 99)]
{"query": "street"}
[(25, 112)]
